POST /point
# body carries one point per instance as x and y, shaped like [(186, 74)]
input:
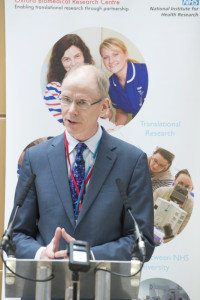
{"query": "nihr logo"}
[(190, 2)]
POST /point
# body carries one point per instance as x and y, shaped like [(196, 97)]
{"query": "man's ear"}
[(104, 107)]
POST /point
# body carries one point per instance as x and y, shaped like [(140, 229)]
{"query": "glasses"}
[(81, 103), (186, 186), (157, 163)]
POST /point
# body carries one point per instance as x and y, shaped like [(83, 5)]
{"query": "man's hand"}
[(51, 250), (67, 238)]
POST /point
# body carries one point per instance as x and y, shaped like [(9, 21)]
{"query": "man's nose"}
[(182, 186), (156, 164), (73, 107)]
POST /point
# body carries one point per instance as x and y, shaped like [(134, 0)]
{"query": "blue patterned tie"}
[(78, 172)]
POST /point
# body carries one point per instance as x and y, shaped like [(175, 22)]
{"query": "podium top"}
[(121, 287)]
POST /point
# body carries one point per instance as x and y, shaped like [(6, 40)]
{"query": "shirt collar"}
[(130, 74), (91, 142)]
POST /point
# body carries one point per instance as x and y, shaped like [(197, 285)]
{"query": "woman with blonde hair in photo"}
[(159, 166), (128, 82)]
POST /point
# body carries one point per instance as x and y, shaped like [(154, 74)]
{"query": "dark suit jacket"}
[(102, 221)]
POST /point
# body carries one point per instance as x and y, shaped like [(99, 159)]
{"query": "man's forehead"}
[(80, 83), (81, 75), (184, 177)]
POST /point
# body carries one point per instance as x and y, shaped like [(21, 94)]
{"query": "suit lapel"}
[(103, 164), (58, 163)]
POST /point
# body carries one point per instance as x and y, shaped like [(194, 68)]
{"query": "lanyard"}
[(86, 178)]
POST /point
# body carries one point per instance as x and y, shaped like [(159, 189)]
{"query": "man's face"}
[(158, 163), (81, 85), (184, 181)]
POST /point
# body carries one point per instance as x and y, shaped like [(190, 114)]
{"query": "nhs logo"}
[(190, 2)]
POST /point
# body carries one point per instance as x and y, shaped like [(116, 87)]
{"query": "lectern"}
[(98, 283)]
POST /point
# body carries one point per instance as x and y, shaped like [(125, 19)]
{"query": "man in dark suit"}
[(49, 217)]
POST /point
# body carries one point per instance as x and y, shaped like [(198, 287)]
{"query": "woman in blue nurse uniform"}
[(129, 81)]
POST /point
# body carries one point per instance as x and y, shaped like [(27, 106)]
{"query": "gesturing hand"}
[(67, 238), (51, 250)]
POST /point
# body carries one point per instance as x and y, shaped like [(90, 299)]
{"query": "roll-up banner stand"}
[(160, 98)]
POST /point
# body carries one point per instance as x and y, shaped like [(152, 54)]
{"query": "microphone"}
[(137, 233), (6, 243), (26, 190)]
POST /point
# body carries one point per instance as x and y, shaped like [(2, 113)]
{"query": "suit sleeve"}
[(25, 228), (139, 191)]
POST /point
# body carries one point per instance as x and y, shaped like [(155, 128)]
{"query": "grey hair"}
[(101, 78)]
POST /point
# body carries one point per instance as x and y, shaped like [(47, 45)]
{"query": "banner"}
[(162, 45)]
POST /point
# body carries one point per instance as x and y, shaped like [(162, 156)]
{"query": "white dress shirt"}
[(88, 153)]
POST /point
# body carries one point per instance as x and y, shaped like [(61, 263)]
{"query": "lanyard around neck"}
[(87, 174)]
